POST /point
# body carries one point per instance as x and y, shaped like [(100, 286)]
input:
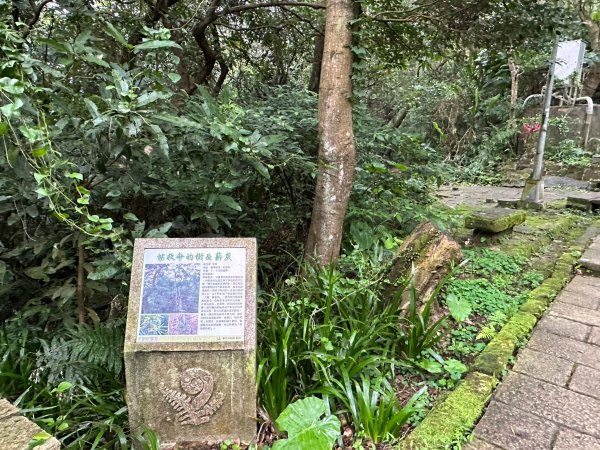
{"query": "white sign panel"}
[(569, 61), (192, 295)]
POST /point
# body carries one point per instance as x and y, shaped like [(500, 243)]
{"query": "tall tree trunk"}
[(336, 137), (315, 73), (591, 81), (514, 88)]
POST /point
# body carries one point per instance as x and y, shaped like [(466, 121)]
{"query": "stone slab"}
[(7, 409), (581, 295), (591, 257), (563, 347), (16, 433), (576, 313), (544, 366), (585, 280), (564, 327), (582, 203), (595, 336), (495, 220), (586, 381), (480, 444), (572, 440), (551, 402), (513, 429)]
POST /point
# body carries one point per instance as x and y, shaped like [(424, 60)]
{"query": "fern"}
[(83, 354), (101, 345), (495, 322)]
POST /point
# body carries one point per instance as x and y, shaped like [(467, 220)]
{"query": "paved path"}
[(477, 195), (551, 398)]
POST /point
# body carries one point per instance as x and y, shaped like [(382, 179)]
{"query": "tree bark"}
[(336, 137), (514, 88), (315, 73), (80, 283), (592, 78), (399, 117)]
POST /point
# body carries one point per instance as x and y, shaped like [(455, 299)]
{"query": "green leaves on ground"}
[(306, 428), (460, 309)]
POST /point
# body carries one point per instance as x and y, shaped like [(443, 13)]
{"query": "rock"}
[(583, 203), (433, 255), (591, 257), (17, 432), (495, 220)]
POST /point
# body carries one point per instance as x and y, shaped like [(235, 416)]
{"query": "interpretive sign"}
[(191, 338), (569, 61)]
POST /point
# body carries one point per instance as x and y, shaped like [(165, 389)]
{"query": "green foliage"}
[(305, 427), (335, 335), (83, 354), (374, 406), (418, 334), (70, 382), (460, 309), (568, 152)]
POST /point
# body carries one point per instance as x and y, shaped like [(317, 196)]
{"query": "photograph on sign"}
[(192, 295)]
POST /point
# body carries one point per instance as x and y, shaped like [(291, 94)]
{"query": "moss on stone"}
[(495, 220), (535, 306), (520, 325), (448, 421), (496, 355), (494, 358)]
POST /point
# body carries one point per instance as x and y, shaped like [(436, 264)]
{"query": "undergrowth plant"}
[(337, 336), (70, 382)]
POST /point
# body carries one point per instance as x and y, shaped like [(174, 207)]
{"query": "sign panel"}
[(192, 295), (569, 61)]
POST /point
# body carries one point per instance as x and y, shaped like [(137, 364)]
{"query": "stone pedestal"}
[(190, 346), (533, 192)]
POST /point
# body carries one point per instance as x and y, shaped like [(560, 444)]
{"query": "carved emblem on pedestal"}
[(194, 405)]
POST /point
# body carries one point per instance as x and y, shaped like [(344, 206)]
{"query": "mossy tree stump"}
[(431, 253)]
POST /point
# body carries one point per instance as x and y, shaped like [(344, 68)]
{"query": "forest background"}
[(127, 119)]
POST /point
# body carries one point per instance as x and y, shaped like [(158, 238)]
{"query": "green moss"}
[(495, 220), (494, 358), (535, 306), (448, 421), (519, 325)]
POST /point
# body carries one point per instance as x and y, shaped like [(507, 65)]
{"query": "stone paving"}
[(479, 195), (551, 398), (17, 432)]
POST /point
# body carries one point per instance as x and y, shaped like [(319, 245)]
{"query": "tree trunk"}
[(592, 78), (336, 137), (315, 73), (399, 118), (514, 88), (591, 81)]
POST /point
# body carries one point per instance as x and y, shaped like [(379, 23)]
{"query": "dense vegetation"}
[(121, 120)]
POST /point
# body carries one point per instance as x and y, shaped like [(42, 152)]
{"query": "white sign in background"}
[(193, 295), (569, 60)]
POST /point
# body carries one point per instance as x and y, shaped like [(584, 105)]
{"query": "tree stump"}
[(432, 253)]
